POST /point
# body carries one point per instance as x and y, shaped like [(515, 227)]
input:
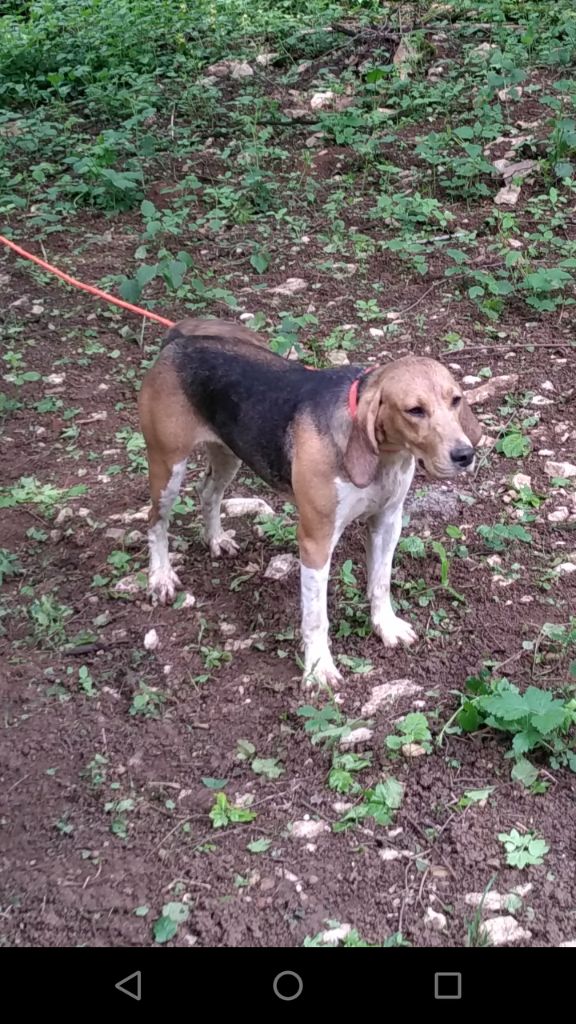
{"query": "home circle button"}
[(288, 986)]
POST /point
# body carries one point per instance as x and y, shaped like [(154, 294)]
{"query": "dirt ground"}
[(105, 815)]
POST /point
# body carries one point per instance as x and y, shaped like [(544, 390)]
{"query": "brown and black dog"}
[(341, 443)]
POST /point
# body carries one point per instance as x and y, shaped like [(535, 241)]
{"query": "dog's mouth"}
[(454, 471)]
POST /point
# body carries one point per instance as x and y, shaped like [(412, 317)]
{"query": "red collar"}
[(353, 392), (353, 404)]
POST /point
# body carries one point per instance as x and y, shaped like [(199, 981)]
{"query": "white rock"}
[(360, 735), (547, 385), (132, 539), (507, 196), (151, 640), (504, 930), (290, 287), (376, 332), (435, 921), (55, 378), (232, 68), (188, 602), (541, 400), (63, 515), (483, 48), (510, 169), (566, 567), (128, 585), (565, 469), (36, 309), (338, 357), (332, 936), (511, 92), (264, 59), (495, 386), (387, 694), (321, 99), (341, 806), (559, 515), (494, 901), (234, 507), (569, 942), (245, 317), (280, 566), (389, 854), (308, 829), (471, 379), (520, 480), (413, 750)]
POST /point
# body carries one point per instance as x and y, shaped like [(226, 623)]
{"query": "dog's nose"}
[(462, 456)]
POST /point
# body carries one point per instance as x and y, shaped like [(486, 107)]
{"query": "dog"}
[(341, 443)]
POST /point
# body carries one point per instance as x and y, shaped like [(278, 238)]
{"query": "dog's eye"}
[(456, 401), (417, 411)]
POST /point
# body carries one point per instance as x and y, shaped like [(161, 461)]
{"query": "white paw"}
[(319, 673), (223, 544), (393, 631), (162, 584)]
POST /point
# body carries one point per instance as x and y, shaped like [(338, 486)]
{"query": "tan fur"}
[(383, 418), (313, 476), (170, 426), (226, 329)]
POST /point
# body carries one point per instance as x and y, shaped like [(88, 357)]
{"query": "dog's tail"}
[(188, 330)]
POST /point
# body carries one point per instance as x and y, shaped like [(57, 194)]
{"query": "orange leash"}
[(85, 287)]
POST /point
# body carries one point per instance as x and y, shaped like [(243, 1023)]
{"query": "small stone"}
[(511, 92), (490, 901), (507, 196), (435, 921), (290, 287), (502, 931), (332, 936), (264, 59), (387, 694), (412, 750), (320, 100), (308, 829), (565, 469), (547, 385), (389, 854), (494, 386), (376, 332), (338, 357), (565, 568), (234, 507), (55, 379), (245, 317), (151, 640), (520, 480), (559, 515), (133, 539), (188, 601), (63, 515), (128, 585), (357, 736), (541, 400), (280, 566), (471, 379)]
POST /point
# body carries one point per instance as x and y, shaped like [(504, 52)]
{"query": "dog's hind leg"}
[(222, 468), (165, 483)]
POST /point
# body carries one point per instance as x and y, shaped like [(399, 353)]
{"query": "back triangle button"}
[(131, 986)]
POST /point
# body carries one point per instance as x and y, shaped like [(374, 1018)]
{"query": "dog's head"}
[(414, 404)]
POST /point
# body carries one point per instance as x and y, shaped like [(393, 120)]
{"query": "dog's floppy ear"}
[(469, 423), (361, 455)]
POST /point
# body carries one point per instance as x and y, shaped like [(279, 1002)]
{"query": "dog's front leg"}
[(318, 664), (383, 535)]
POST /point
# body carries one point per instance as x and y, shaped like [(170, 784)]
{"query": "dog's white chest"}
[(386, 492)]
